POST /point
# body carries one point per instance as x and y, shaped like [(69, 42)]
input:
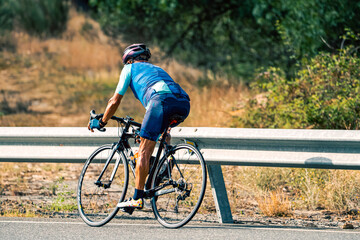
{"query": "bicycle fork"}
[(108, 160)]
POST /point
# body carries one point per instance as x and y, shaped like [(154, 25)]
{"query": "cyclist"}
[(161, 97)]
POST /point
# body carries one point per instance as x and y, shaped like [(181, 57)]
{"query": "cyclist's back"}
[(146, 81)]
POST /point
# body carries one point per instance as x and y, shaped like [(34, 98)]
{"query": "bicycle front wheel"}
[(98, 196), (177, 203)]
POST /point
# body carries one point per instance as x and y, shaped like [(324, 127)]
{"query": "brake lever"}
[(93, 115)]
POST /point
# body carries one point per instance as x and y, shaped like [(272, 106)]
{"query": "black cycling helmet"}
[(135, 50)]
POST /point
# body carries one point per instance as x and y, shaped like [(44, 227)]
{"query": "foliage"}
[(306, 25), (6, 15), (43, 18), (231, 37), (324, 95)]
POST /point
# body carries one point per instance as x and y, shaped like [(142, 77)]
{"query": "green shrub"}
[(43, 18), (323, 95), (6, 15), (6, 23)]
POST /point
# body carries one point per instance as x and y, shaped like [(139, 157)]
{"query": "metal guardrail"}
[(328, 149)]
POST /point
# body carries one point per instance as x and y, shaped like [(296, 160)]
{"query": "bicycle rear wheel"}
[(97, 201), (180, 200)]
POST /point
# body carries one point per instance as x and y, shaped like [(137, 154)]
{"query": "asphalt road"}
[(33, 228)]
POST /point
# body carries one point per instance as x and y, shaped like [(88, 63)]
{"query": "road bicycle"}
[(175, 185)]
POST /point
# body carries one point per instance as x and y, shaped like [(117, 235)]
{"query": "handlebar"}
[(127, 120)]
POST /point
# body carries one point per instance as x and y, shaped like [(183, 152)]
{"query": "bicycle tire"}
[(169, 210), (98, 205)]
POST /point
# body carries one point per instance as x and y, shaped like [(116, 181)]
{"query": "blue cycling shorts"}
[(159, 111)]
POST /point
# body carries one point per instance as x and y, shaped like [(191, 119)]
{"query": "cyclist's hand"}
[(137, 136), (94, 123)]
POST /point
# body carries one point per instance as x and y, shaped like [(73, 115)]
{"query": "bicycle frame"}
[(123, 145), (98, 182)]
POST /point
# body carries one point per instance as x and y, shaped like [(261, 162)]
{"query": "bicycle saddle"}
[(176, 119)]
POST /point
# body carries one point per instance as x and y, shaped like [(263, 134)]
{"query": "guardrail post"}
[(219, 193)]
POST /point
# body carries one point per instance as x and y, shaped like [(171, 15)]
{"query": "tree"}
[(231, 37)]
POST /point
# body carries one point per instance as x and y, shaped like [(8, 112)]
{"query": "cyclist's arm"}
[(124, 80), (114, 102), (111, 107)]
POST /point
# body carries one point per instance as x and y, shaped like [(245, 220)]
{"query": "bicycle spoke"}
[(176, 208)]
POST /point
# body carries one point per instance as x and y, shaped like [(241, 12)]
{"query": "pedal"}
[(128, 210), (147, 204)]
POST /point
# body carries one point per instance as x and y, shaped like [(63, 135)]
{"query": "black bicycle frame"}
[(123, 144), (98, 182)]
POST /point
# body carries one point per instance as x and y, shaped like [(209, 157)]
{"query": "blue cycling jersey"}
[(147, 80)]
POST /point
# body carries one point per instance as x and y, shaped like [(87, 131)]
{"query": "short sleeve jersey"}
[(145, 81)]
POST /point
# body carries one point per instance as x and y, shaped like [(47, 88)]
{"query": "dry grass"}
[(10, 211), (78, 49), (275, 204), (212, 107), (37, 189), (282, 190), (342, 191)]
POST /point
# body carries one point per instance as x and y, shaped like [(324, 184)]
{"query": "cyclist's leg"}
[(151, 128), (172, 106), (156, 120), (141, 171), (142, 167)]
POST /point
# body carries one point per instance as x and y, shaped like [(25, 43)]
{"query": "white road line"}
[(201, 226), (80, 223)]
